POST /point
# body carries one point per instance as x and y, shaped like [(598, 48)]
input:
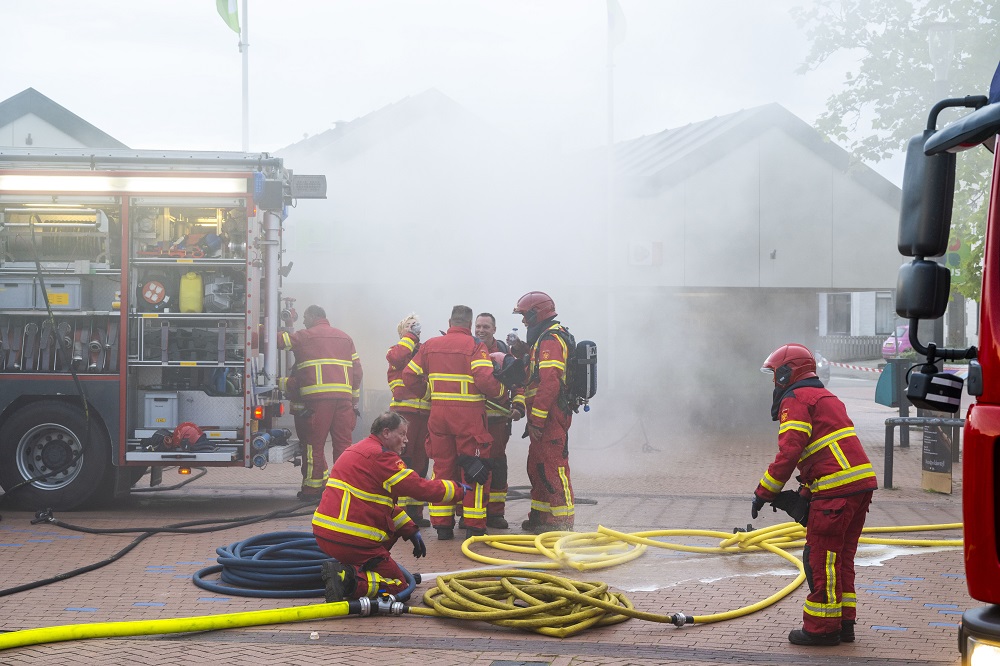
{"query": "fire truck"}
[(139, 291), (922, 294)]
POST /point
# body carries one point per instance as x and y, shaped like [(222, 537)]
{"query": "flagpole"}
[(245, 50), (609, 213)]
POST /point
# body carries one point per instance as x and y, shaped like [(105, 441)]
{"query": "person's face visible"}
[(485, 328), (395, 440)]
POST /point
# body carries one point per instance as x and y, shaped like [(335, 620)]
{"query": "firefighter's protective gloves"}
[(794, 504), (419, 548), (756, 504)]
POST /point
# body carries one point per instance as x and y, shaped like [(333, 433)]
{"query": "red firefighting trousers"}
[(499, 430), (333, 418), (415, 455), (548, 472), (376, 570), (831, 542), (458, 431)]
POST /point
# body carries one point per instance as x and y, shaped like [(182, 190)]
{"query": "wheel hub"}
[(48, 449)]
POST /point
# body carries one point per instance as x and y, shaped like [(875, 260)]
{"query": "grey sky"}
[(168, 74)]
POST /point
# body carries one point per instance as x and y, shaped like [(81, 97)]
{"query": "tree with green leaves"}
[(892, 86)]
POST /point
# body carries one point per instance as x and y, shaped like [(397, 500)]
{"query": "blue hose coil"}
[(278, 565)]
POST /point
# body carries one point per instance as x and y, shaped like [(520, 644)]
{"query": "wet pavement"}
[(627, 476)]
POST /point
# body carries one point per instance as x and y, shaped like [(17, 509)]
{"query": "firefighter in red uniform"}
[(816, 436), (459, 372), (498, 415), (328, 374), (549, 418), (414, 408), (358, 519)]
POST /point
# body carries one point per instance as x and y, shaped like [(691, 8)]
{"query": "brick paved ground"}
[(649, 475)]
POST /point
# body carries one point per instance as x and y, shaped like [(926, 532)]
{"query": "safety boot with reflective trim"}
[(803, 637), (340, 580)]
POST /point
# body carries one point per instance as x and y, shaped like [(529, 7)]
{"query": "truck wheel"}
[(47, 437)]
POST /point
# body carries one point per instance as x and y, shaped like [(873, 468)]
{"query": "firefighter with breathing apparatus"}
[(549, 417), (816, 435)]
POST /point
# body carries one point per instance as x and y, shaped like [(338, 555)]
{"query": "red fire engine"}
[(923, 288), (139, 291)]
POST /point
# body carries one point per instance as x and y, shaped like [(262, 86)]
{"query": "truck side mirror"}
[(928, 194), (922, 289)]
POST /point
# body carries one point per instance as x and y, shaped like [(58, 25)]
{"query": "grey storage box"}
[(17, 293), (65, 293), (160, 410)]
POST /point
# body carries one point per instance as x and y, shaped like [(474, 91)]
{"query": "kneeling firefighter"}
[(358, 519), (817, 436)]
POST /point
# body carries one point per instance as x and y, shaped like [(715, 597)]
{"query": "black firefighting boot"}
[(803, 637), (340, 580), (532, 523), (416, 514), (445, 533), (847, 631), (473, 531), (497, 522)]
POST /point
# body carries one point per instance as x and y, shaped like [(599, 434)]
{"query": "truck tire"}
[(44, 437)]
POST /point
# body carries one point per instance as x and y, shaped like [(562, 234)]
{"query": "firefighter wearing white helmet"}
[(836, 480), (414, 407), (548, 422)]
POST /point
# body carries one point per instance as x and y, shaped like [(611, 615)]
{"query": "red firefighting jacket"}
[(547, 374), (456, 368), (404, 399), (358, 506), (326, 364), (816, 435)]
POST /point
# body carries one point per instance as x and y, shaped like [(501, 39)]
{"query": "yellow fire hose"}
[(514, 597), (72, 632)]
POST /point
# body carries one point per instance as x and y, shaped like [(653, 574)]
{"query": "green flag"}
[(227, 10)]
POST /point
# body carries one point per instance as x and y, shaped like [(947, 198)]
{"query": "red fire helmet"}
[(790, 363), (535, 306)]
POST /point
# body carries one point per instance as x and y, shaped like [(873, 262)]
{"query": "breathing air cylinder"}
[(192, 292)]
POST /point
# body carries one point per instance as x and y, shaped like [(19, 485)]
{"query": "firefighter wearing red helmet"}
[(327, 374), (816, 436), (548, 422)]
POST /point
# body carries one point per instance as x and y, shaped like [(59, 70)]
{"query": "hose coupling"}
[(680, 619), (387, 605), (365, 607), (42, 516)]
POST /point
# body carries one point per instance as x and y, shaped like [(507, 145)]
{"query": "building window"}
[(838, 314), (885, 313)]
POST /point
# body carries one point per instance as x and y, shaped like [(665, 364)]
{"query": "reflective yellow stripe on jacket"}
[(450, 391), (334, 387), (340, 522)]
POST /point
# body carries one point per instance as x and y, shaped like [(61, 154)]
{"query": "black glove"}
[(419, 548), (476, 469), (794, 504), (757, 503)]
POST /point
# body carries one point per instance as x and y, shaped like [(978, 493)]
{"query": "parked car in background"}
[(822, 368), (897, 343)]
